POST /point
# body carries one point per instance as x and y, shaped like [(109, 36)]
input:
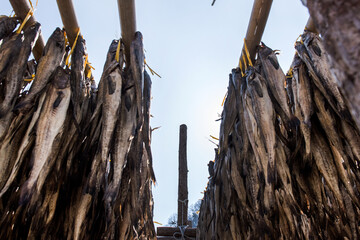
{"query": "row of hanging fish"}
[(75, 158), (287, 164)]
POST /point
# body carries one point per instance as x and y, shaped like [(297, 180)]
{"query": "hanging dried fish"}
[(52, 56)]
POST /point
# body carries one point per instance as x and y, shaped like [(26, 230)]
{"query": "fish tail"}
[(271, 178), (22, 107), (3, 110), (294, 122), (110, 194), (26, 193), (346, 115)]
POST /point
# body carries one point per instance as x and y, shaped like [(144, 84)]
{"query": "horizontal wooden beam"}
[(128, 24), (259, 15), (21, 9), (169, 231)]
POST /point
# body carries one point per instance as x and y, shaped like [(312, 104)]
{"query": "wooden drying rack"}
[(67, 12)]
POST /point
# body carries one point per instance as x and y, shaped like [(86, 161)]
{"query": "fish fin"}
[(127, 102), (2, 111), (271, 177), (274, 62), (294, 122), (258, 88), (58, 99), (22, 107), (316, 49), (111, 85)]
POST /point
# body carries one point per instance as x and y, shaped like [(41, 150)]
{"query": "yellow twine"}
[(157, 223), (241, 69), (247, 53), (151, 70), (28, 15), (30, 79), (214, 137), (222, 104), (117, 56), (244, 60), (67, 63), (66, 38)]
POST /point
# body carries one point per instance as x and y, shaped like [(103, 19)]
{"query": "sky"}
[(193, 46)]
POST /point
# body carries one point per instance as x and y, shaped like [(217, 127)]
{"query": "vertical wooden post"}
[(183, 170)]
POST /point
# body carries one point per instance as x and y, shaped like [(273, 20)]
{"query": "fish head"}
[(61, 78), (81, 45), (112, 50), (138, 36), (250, 74), (32, 33), (264, 51), (56, 41)]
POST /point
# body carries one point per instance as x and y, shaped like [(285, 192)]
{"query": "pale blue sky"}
[(193, 46)]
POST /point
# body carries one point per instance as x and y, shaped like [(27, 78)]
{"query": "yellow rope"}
[(151, 70), (30, 79), (244, 60), (67, 62), (222, 104), (241, 69), (247, 53), (28, 15), (66, 38), (117, 56), (214, 137)]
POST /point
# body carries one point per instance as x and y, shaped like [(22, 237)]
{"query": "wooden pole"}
[(68, 18), (128, 24), (257, 23), (310, 26), (169, 231), (21, 8), (183, 170)]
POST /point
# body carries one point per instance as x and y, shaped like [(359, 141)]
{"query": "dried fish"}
[(17, 69), (52, 56), (50, 124), (7, 25), (275, 81), (137, 68)]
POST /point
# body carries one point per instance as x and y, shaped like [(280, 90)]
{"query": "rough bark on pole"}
[(257, 23), (128, 23), (183, 170), (21, 8)]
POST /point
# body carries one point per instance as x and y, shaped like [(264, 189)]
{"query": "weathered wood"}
[(128, 24), (183, 170), (21, 8), (259, 15), (338, 22), (68, 18), (310, 26), (169, 231)]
